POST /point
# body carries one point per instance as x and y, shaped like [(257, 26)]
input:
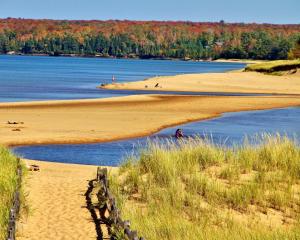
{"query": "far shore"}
[(103, 120), (248, 61)]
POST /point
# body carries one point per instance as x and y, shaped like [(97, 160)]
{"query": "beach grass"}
[(195, 189), (274, 66), (8, 184)]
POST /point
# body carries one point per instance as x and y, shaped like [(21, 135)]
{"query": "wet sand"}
[(231, 82), (100, 120)]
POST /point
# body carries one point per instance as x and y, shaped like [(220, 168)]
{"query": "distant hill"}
[(148, 39)]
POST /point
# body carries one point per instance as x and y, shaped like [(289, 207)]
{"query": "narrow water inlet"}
[(230, 128)]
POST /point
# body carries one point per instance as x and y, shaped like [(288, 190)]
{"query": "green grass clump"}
[(230, 173), (8, 184), (274, 66), (195, 189)]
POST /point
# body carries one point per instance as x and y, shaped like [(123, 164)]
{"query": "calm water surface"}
[(230, 128), (29, 78)]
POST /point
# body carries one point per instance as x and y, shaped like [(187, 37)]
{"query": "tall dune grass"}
[(195, 189), (8, 184), (274, 66)]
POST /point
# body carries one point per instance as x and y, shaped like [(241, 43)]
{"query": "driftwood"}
[(33, 167), (107, 202), (14, 123), (16, 129), (14, 211)]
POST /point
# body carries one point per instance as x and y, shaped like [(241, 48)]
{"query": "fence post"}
[(14, 211), (105, 198)]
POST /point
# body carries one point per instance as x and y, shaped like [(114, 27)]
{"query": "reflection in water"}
[(230, 128)]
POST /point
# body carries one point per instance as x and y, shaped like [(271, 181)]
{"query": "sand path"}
[(84, 121), (57, 203), (233, 82)]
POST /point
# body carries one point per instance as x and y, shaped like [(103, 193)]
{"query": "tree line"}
[(146, 42)]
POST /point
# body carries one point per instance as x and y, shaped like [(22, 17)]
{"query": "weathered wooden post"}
[(14, 211), (107, 202)]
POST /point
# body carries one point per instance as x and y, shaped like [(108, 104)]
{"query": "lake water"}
[(229, 129), (30, 78)]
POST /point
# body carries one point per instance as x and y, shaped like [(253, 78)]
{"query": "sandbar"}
[(102, 120), (230, 82)]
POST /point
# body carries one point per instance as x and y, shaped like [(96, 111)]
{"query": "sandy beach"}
[(248, 61), (99, 120), (56, 193), (231, 82), (57, 203)]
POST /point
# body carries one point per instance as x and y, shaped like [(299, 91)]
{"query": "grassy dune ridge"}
[(274, 66), (199, 190), (8, 184)]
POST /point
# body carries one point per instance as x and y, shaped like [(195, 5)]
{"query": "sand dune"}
[(235, 82), (84, 121)]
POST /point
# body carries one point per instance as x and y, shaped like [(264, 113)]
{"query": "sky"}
[(259, 11)]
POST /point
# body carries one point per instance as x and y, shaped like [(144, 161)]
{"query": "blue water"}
[(229, 129), (29, 78)]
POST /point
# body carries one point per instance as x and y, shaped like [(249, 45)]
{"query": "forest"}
[(149, 39)]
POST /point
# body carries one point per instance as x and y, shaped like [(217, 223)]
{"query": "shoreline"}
[(221, 60), (246, 61), (192, 93), (119, 118)]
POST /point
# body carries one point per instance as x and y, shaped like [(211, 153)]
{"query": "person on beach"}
[(178, 133), (113, 79)]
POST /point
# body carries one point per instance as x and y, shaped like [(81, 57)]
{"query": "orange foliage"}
[(163, 31)]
